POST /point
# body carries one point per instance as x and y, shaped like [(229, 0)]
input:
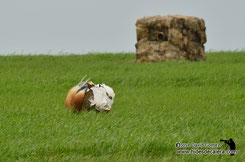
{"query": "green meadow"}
[(156, 105)]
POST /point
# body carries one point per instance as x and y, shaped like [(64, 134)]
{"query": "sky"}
[(86, 26)]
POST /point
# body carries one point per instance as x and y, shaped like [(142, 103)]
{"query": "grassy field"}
[(156, 105)]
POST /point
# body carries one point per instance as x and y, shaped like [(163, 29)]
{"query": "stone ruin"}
[(161, 38)]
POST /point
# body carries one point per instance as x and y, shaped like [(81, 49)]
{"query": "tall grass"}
[(156, 105)]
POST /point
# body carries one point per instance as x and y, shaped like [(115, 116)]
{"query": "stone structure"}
[(162, 38)]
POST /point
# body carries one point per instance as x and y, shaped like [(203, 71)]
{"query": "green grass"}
[(156, 105)]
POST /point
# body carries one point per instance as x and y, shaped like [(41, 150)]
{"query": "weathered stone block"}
[(161, 38)]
